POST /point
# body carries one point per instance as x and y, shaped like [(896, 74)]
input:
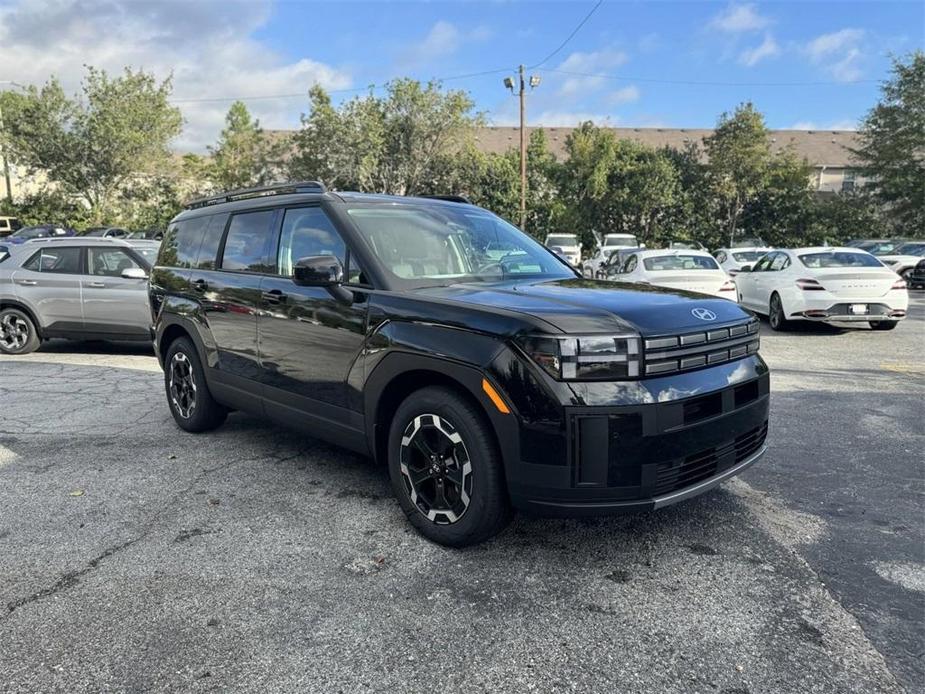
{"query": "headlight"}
[(586, 358)]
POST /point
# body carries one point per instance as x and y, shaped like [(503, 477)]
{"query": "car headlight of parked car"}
[(587, 357)]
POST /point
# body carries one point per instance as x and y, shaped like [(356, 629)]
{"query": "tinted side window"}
[(58, 260), (630, 264), (182, 242), (109, 262), (307, 232), (211, 240), (247, 241), (763, 264), (778, 262)]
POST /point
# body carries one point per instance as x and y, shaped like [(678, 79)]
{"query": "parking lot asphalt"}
[(134, 556)]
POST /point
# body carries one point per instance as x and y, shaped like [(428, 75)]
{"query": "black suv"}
[(487, 380)]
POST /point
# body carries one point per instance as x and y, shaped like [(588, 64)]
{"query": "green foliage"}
[(397, 143), (739, 159), (244, 156), (48, 206), (783, 210), (92, 145), (892, 148)]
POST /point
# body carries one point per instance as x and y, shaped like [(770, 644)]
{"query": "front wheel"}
[(18, 334), (446, 469), (191, 404), (883, 324), (776, 316)]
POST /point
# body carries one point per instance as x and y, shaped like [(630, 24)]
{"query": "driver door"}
[(747, 282), (307, 339)]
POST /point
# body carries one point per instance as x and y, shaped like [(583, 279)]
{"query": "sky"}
[(805, 65)]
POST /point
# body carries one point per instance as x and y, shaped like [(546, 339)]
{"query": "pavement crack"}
[(69, 579)]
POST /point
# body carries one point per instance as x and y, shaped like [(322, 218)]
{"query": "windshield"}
[(561, 240), (910, 249), (680, 262), (149, 254), (439, 246), (95, 232), (748, 256), (839, 259), (620, 240)]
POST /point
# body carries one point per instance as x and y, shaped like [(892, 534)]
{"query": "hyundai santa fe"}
[(485, 381)]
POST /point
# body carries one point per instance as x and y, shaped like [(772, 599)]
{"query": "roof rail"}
[(258, 192), (449, 198)]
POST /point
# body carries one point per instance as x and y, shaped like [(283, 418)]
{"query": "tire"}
[(883, 324), (18, 334), (776, 316), (191, 404), (464, 467)]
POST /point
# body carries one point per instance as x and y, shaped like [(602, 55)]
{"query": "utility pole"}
[(522, 94), (6, 163)]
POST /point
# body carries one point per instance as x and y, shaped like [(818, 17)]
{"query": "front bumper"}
[(645, 456)]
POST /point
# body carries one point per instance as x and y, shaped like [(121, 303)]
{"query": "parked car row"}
[(13, 232)]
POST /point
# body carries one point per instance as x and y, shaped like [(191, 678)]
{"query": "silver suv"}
[(74, 288)]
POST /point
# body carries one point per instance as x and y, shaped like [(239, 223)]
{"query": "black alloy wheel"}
[(446, 469), (191, 404), (776, 315)]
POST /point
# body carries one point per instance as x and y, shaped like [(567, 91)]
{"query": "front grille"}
[(700, 466), (693, 350)]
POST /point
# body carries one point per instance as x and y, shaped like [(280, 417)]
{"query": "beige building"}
[(827, 151)]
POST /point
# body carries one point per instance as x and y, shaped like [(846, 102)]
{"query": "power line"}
[(570, 36), (629, 78), (302, 95)]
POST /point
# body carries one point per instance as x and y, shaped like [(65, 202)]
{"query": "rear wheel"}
[(883, 324), (776, 316), (191, 404), (446, 469), (18, 334)]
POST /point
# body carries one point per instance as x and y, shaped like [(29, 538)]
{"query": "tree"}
[(93, 145), (783, 212), (396, 143), (892, 145), (243, 156), (739, 155)]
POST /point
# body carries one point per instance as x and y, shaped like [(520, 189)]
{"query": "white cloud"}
[(443, 39), (766, 49), (209, 50), (844, 124), (625, 95), (587, 67), (839, 53), (737, 18)]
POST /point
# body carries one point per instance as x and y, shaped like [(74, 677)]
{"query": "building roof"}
[(818, 147)]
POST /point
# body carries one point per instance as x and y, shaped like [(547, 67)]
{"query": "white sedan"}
[(823, 284), (694, 271), (734, 259), (904, 258)]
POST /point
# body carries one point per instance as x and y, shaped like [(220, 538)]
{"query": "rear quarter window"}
[(182, 242)]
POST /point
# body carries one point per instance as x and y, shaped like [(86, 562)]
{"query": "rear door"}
[(113, 304), (308, 339), (49, 283), (229, 288)]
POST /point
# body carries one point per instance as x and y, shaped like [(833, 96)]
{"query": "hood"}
[(596, 306)]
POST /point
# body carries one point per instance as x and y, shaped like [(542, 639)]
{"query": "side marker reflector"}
[(495, 397)]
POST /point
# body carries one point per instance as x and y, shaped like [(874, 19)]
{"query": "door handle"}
[(28, 283), (274, 296), (200, 285), (96, 285)]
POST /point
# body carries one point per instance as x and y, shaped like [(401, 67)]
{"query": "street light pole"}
[(523, 150), (522, 94)]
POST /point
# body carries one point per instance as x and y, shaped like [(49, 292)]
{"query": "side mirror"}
[(318, 271), (745, 268), (134, 273)]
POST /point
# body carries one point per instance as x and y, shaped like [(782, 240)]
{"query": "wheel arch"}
[(20, 306), (400, 374)]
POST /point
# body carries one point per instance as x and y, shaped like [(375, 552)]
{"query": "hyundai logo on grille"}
[(703, 313)]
